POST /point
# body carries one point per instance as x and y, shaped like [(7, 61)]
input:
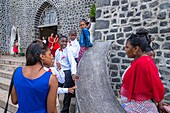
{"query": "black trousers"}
[(67, 97)]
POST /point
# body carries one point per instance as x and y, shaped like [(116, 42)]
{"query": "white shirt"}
[(66, 60), (61, 78), (92, 31), (59, 73), (44, 41), (74, 47), (125, 72), (62, 90)]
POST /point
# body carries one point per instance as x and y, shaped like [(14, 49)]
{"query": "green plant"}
[(93, 11), (21, 52)]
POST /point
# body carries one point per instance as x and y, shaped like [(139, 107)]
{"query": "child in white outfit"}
[(73, 44)]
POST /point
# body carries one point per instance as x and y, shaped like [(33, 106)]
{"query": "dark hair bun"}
[(145, 32)]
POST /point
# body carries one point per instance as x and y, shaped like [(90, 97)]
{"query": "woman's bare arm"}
[(52, 95), (49, 39), (14, 97)]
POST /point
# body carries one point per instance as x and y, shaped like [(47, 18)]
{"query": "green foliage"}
[(21, 52), (93, 11)]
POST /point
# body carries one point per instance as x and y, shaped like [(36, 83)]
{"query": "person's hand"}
[(71, 90), (160, 106), (58, 65), (75, 77), (167, 108)]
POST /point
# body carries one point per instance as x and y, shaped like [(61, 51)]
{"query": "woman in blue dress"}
[(34, 89)]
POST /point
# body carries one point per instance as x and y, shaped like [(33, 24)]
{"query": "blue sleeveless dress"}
[(32, 94)]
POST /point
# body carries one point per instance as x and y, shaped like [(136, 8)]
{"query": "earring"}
[(134, 52)]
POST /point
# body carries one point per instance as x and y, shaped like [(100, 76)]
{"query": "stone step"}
[(3, 98), (6, 74), (4, 83), (7, 67), (2, 110), (12, 62)]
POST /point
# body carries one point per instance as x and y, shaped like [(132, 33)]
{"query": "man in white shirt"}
[(61, 78), (73, 44), (64, 56)]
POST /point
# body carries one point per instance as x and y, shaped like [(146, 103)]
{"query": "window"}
[(48, 16)]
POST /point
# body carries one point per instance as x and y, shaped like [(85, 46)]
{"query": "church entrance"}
[(47, 21), (46, 30)]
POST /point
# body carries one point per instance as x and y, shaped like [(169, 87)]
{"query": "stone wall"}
[(21, 14), (1, 15), (4, 35), (24, 15), (70, 12), (117, 19)]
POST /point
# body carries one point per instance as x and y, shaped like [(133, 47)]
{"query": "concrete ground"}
[(2, 110)]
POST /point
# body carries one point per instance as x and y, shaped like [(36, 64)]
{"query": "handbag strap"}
[(9, 92)]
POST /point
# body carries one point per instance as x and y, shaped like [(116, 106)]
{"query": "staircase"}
[(7, 66)]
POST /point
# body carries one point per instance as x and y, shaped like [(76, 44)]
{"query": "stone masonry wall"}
[(23, 14), (117, 19), (70, 12), (1, 15), (4, 35), (21, 17)]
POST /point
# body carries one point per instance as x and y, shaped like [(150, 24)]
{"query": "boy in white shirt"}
[(61, 78), (64, 56), (73, 44)]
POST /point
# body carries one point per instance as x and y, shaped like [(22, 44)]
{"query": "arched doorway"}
[(14, 36), (46, 20)]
